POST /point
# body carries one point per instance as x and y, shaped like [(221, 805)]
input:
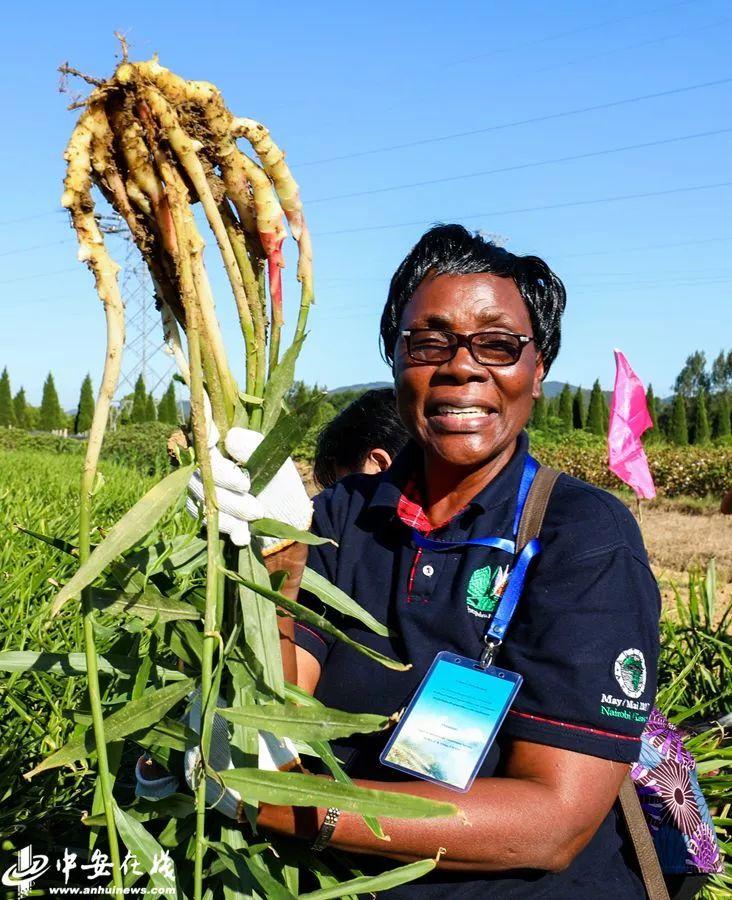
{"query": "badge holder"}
[(454, 717)]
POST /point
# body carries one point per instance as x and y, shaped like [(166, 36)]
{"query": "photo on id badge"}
[(452, 720)]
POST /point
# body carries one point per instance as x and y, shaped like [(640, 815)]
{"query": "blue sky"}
[(648, 274)]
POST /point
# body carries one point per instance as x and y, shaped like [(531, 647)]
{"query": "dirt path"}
[(676, 541)]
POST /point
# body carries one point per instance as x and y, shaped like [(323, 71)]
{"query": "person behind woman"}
[(364, 437), (471, 330)]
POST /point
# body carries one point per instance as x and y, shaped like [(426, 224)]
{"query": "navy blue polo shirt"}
[(584, 637)]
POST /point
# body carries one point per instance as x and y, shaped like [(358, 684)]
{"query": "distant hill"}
[(552, 389), (368, 386)]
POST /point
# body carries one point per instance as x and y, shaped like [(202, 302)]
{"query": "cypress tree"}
[(7, 413), (595, 411), (50, 417), (168, 408), (539, 418), (151, 414), (565, 408), (20, 408), (722, 422), (578, 409), (85, 411), (605, 414), (139, 402), (702, 431), (651, 404), (678, 428), (652, 433)]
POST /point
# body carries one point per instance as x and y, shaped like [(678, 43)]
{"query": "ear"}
[(378, 460), (538, 377)]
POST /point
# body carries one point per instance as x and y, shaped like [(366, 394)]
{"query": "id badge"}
[(451, 722)]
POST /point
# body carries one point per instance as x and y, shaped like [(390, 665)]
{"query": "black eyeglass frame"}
[(465, 340)]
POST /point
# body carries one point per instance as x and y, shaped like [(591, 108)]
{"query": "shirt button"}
[(428, 571)]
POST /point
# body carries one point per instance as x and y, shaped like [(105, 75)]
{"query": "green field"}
[(39, 710)]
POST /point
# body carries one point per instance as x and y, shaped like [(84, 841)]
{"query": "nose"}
[(463, 368)]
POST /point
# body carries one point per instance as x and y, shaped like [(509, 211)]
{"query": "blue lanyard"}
[(501, 618)]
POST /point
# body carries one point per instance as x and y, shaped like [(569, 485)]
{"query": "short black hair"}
[(345, 442), (453, 250)]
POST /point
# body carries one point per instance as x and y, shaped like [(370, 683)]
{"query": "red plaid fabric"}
[(410, 511)]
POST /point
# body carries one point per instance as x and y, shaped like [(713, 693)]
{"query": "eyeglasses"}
[(488, 348)]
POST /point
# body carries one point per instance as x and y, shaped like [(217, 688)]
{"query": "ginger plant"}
[(156, 146)]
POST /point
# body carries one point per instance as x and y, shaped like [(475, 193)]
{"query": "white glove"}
[(284, 498), (274, 755)]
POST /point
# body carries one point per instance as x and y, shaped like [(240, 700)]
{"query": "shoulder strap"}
[(530, 524), (534, 510), (645, 849)]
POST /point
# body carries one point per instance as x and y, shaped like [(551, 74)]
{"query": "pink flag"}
[(629, 418)]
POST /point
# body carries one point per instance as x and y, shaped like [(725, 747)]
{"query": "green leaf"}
[(294, 789), (323, 750), (340, 601), (58, 543), (133, 525), (137, 715), (71, 664), (146, 605), (278, 384), (368, 884), (712, 765), (304, 723), (233, 859), (273, 528), (259, 621), (250, 398), (168, 733), (183, 639), (303, 614), (140, 842), (178, 806), (278, 445)]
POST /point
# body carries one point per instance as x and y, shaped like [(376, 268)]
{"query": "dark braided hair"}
[(453, 250)]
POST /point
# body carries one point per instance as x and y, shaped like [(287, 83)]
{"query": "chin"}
[(466, 450)]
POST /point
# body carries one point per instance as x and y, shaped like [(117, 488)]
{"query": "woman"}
[(471, 330)]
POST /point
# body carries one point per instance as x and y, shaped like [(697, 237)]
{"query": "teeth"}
[(445, 410)]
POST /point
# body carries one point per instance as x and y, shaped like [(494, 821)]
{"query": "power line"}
[(549, 206), (520, 166), (664, 7), (649, 42), (36, 247), (505, 125), (42, 215), (616, 250), (40, 275)]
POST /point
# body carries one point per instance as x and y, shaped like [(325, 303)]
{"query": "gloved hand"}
[(155, 783), (284, 498), (275, 754)]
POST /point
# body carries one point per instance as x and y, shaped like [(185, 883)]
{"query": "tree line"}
[(138, 407), (700, 409), (698, 412)]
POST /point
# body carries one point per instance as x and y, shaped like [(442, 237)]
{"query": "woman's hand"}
[(283, 499)]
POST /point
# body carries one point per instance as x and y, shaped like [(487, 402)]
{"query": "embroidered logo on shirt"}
[(630, 672), (484, 590)]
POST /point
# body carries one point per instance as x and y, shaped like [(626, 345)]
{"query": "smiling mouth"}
[(444, 417), (446, 409)]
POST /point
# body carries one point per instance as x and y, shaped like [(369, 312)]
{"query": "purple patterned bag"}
[(675, 809)]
